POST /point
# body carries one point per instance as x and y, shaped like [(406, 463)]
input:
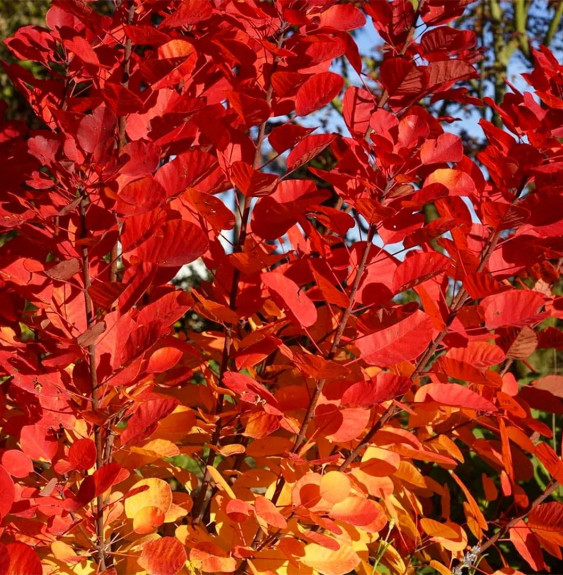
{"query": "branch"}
[(361, 268), (240, 237), (457, 303), (540, 499), (336, 342), (122, 125), (104, 559), (257, 543)]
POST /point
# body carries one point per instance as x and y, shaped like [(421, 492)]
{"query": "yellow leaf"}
[(410, 474), (440, 568), (330, 562), (335, 486), (220, 482), (63, 551), (157, 495), (162, 447), (436, 529)]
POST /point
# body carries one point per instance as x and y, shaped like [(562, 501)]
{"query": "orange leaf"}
[(550, 461), (238, 510), (380, 462), (267, 511), (306, 491), (164, 556), (210, 558), (547, 521), (356, 510), (147, 520), (163, 359), (472, 503), (490, 489), (330, 562), (527, 545)]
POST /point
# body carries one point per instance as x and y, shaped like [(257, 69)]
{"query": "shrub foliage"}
[(338, 394)]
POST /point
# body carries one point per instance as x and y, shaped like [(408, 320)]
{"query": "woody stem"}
[(103, 558), (239, 239)]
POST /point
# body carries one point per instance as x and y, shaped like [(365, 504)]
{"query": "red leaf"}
[(16, 463), (307, 149), (344, 17), (38, 442), (479, 354), (140, 196), (82, 454), (248, 390), (8, 492), (449, 71), (145, 420), (186, 170), (252, 111), (252, 183), (435, 12), (317, 91), (357, 107), (401, 77), (120, 100), (164, 556), (82, 48), (403, 341), (437, 40), (445, 148), (418, 268), (550, 460), (96, 132), (341, 425), (91, 335), (512, 308), (21, 560), (64, 270), (292, 298), (519, 343), (189, 12), (101, 480), (454, 395), (175, 243), (286, 136), (212, 209), (385, 386)]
